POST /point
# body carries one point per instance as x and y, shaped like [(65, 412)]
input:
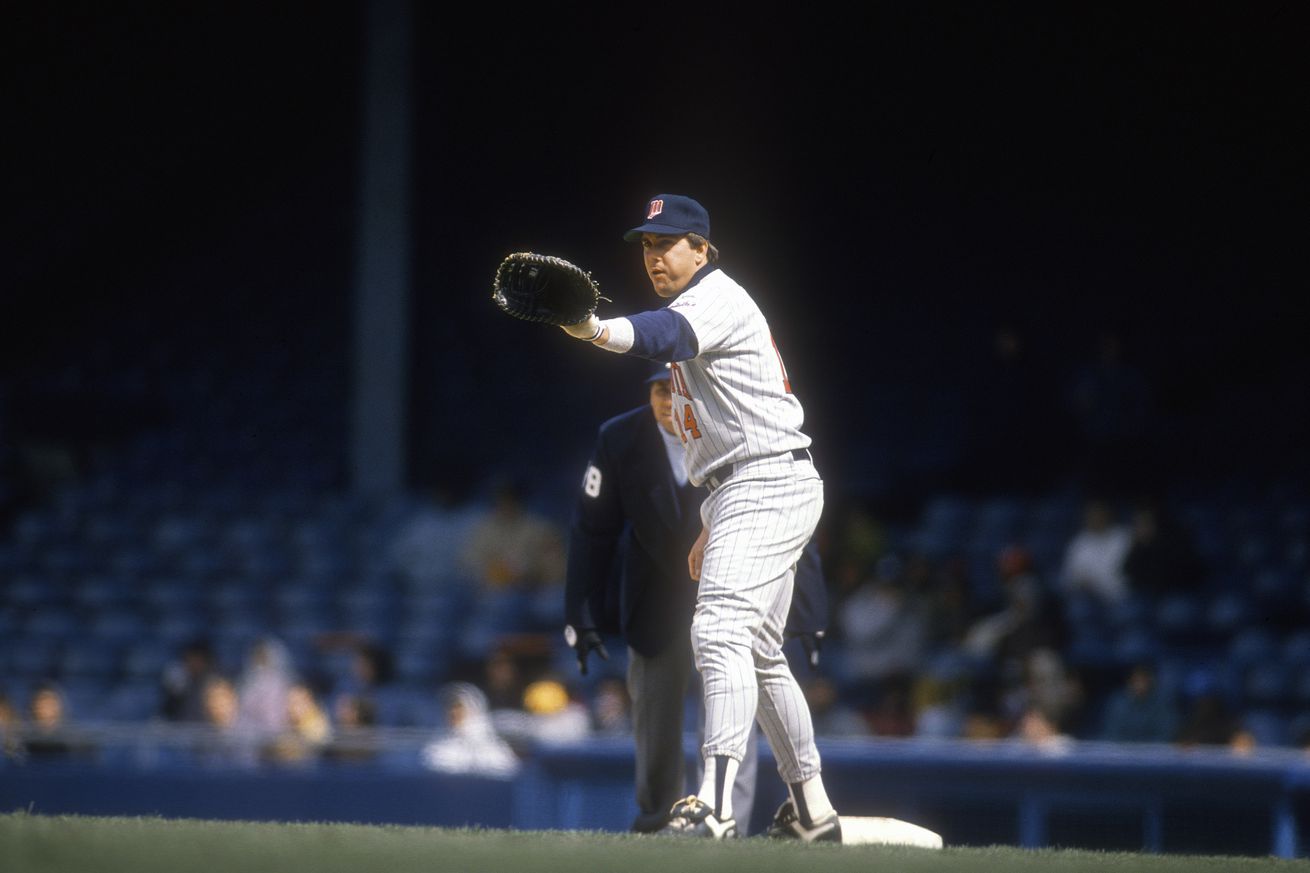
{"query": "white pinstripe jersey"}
[(733, 401)]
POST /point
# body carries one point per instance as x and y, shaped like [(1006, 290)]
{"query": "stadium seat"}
[(52, 622), (1267, 683), (1228, 613), (1136, 644), (1296, 650), (145, 659), (132, 701), (89, 658), (1178, 617), (31, 592), (1252, 645), (1266, 726), (1131, 611), (119, 625)]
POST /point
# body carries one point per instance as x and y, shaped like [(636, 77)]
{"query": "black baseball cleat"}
[(692, 817), (787, 826)]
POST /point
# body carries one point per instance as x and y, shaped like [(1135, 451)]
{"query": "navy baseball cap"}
[(658, 373), (672, 214)]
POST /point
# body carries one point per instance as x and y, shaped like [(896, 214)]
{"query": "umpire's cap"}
[(672, 214), (658, 373)]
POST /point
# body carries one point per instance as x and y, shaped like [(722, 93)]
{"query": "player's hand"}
[(587, 642), (696, 556), (588, 329)]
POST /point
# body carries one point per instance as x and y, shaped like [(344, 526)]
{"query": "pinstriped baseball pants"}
[(759, 522)]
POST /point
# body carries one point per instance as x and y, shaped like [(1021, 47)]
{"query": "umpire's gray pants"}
[(658, 688)]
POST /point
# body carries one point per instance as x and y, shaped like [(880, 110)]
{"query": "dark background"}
[(892, 184)]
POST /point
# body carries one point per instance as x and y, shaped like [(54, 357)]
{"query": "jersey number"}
[(687, 424), (591, 482)]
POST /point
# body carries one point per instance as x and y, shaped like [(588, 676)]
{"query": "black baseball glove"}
[(545, 289)]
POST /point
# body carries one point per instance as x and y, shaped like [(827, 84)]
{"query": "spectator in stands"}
[(264, 686), (1302, 740), (1140, 712), (184, 680), (944, 594), (504, 680), (1208, 719), (470, 744), (1029, 620), (891, 713), (882, 629), (832, 717), (511, 547), (548, 715), (11, 728), (354, 740), (371, 667), (1038, 728), (611, 707), (422, 546), (230, 742), (937, 706), (1162, 558), (48, 733), (308, 729), (1094, 557), (1047, 686)]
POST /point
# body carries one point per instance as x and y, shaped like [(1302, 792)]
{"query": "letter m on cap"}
[(656, 207)]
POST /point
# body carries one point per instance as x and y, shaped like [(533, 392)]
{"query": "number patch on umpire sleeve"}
[(591, 482)]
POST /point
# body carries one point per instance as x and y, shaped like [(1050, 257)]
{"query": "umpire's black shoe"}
[(787, 826), (692, 817)]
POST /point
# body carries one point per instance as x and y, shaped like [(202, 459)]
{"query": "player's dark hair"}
[(697, 240)]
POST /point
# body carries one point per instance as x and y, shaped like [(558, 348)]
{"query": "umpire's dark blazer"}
[(631, 531)]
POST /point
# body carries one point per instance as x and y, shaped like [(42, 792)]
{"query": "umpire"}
[(635, 521)]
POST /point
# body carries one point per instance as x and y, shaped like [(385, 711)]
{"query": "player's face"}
[(661, 403), (671, 262)]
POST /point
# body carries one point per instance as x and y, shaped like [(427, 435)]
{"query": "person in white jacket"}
[(470, 745)]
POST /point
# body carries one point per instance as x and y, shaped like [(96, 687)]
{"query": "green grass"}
[(68, 844)]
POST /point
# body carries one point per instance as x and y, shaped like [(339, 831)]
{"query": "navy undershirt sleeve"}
[(663, 335)]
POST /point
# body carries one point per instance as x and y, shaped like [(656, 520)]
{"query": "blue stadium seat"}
[(1179, 617), (89, 658), (175, 629), (10, 622), (98, 593), (33, 657), (1296, 650), (1091, 648), (168, 593), (1136, 644), (145, 659), (32, 592), (402, 705), (52, 622), (1299, 688), (419, 664), (1266, 726), (132, 701), (1228, 613), (999, 519), (1266, 683), (1252, 645), (1132, 611), (119, 625)]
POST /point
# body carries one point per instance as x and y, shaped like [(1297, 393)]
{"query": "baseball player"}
[(740, 427), (636, 503)]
